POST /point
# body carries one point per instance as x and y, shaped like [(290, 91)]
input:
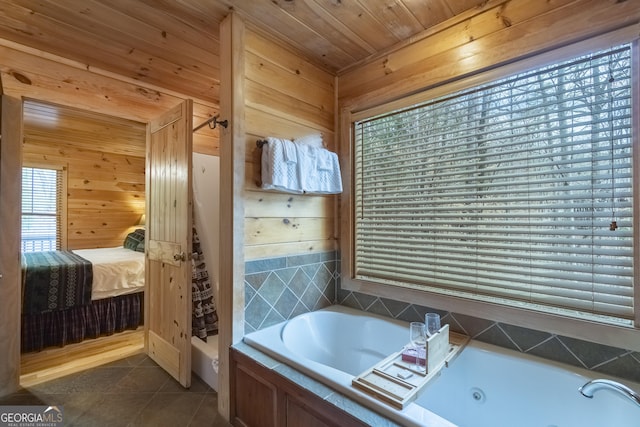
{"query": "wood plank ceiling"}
[(174, 44)]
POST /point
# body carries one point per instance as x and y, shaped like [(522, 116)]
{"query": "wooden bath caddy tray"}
[(397, 382)]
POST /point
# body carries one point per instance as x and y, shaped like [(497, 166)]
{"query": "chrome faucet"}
[(592, 386)]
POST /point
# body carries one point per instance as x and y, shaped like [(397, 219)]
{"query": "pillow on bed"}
[(140, 247), (133, 240)]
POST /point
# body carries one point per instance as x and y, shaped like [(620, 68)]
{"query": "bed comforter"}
[(55, 280)]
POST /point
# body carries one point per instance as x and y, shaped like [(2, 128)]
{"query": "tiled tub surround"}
[(583, 354), (280, 288)]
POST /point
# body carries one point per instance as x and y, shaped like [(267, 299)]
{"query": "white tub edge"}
[(204, 359)]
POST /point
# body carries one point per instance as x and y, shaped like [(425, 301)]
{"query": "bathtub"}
[(485, 385), (204, 360)]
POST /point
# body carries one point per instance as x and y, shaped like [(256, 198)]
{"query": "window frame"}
[(62, 198), (607, 334)]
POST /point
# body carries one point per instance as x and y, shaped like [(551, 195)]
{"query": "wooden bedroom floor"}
[(50, 364)]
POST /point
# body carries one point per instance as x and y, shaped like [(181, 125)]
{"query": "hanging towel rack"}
[(213, 122), (261, 142)]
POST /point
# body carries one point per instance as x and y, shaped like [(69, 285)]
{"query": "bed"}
[(70, 296)]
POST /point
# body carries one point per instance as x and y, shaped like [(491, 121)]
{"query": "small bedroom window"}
[(43, 209), (517, 191)]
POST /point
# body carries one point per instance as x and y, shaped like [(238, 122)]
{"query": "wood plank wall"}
[(286, 97), (105, 161), (29, 73), (10, 294), (496, 32), (106, 172)]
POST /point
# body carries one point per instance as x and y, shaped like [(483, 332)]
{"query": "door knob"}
[(180, 257)]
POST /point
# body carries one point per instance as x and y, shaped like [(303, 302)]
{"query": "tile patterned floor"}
[(132, 392)]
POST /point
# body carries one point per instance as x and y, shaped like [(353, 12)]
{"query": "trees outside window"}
[(517, 191), (42, 209)]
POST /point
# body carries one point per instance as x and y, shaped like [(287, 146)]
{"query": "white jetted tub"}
[(485, 386)]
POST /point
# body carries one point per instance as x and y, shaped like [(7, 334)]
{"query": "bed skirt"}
[(100, 318)]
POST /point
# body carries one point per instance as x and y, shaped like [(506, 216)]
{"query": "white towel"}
[(280, 166), (325, 160), (319, 170), (290, 152), (314, 140), (299, 167), (329, 180), (306, 166)]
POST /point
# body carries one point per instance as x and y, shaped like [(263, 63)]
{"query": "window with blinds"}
[(518, 191), (42, 191)]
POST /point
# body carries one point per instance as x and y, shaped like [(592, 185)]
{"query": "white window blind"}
[(506, 192), (41, 209)]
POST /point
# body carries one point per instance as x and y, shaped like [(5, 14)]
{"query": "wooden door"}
[(168, 242)]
